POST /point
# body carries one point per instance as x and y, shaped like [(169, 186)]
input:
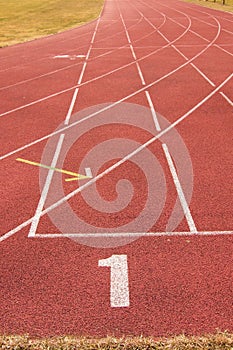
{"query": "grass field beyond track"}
[(22, 20), (215, 4)]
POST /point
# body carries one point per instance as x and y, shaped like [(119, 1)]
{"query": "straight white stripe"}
[(220, 47), (132, 234), (127, 34), (132, 51), (71, 106), (226, 98), (179, 190), (194, 66), (16, 229), (88, 53), (154, 115), (140, 74), (120, 234), (82, 73), (45, 190), (176, 181)]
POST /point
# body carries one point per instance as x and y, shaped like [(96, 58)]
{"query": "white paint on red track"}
[(95, 179), (152, 30), (169, 43)]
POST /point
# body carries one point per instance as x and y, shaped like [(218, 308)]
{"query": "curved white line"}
[(192, 64), (91, 80), (41, 76), (119, 101), (67, 51), (107, 171)]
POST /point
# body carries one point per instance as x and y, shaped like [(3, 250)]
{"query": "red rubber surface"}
[(176, 283)]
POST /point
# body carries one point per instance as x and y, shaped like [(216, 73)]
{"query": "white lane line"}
[(72, 37), (171, 166), (71, 106), (111, 106), (71, 65), (179, 191), (132, 49), (210, 24), (88, 172), (140, 74), (227, 52), (111, 234), (204, 76), (71, 194), (195, 33), (185, 57), (45, 190), (47, 185), (82, 73), (173, 172), (139, 149), (226, 98), (109, 52), (154, 115), (131, 234), (113, 49), (74, 98), (119, 101), (105, 75)]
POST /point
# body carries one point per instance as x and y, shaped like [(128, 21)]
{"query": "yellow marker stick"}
[(77, 176)]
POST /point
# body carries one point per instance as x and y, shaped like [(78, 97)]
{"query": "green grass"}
[(218, 341), (22, 20), (217, 5)]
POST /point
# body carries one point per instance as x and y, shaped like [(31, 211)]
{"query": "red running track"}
[(143, 98)]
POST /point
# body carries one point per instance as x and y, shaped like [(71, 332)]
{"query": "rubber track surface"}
[(168, 57)]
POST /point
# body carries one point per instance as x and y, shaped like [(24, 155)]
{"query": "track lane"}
[(62, 307)]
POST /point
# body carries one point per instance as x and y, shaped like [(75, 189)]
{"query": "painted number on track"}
[(119, 283)]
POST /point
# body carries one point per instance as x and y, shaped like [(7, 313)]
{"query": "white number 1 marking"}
[(119, 284)]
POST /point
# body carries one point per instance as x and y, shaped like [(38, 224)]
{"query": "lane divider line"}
[(71, 106), (207, 97), (154, 115), (45, 191), (178, 187), (47, 184), (179, 190), (136, 151), (75, 95)]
